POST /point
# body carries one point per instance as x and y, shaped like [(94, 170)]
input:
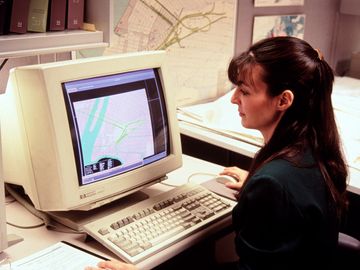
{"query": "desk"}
[(239, 148), (40, 238), (246, 149)]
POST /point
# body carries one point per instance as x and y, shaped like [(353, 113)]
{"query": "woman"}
[(290, 203)]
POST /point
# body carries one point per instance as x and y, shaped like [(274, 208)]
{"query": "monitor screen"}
[(118, 123), (79, 134)]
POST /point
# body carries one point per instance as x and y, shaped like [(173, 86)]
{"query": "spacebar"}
[(166, 235)]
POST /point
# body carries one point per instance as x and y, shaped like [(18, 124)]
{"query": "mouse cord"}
[(200, 173)]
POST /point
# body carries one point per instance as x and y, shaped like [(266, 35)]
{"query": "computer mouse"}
[(225, 178)]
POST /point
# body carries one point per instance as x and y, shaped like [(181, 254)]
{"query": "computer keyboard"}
[(141, 230)]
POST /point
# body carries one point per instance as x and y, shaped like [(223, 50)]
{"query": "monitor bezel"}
[(46, 139)]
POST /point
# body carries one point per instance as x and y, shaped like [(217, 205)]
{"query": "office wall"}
[(319, 22), (330, 25), (347, 42), (336, 34)]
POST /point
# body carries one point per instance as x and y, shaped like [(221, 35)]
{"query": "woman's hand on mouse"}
[(237, 173)]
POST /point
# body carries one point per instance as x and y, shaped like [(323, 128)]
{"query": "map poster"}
[(282, 25), (277, 3), (198, 36)]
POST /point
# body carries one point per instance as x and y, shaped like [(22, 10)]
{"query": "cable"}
[(54, 228), (166, 184), (200, 173), (25, 227), (46, 219), (9, 201), (189, 178), (3, 63)]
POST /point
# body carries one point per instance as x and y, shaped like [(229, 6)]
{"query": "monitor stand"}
[(76, 219)]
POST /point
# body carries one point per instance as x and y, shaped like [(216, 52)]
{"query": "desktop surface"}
[(193, 170), (241, 150)]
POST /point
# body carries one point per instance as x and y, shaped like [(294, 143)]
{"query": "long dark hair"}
[(291, 63)]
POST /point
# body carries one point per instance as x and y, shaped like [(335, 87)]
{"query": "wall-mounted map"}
[(198, 36)]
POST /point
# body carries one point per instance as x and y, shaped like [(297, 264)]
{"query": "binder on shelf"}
[(19, 16), (75, 14), (37, 17), (5, 12), (56, 15)]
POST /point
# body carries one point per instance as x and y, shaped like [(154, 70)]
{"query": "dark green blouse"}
[(285, 218)]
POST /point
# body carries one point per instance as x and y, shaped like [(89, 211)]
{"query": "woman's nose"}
[(234, 97)]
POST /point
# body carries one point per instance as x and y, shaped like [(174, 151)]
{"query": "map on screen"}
[(115, 131), (117, 123)]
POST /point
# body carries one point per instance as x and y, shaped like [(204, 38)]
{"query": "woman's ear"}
[(286, 98)]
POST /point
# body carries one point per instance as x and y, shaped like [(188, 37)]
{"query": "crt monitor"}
[(81, 133), (3, 231)]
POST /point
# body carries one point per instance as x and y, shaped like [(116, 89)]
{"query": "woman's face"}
[(256, 108)]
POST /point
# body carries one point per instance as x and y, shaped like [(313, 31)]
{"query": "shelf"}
[(49, 42)]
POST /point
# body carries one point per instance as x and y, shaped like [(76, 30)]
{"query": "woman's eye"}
[(244, 92)]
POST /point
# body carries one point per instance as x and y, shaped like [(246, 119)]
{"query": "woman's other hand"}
[(112, 265)]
